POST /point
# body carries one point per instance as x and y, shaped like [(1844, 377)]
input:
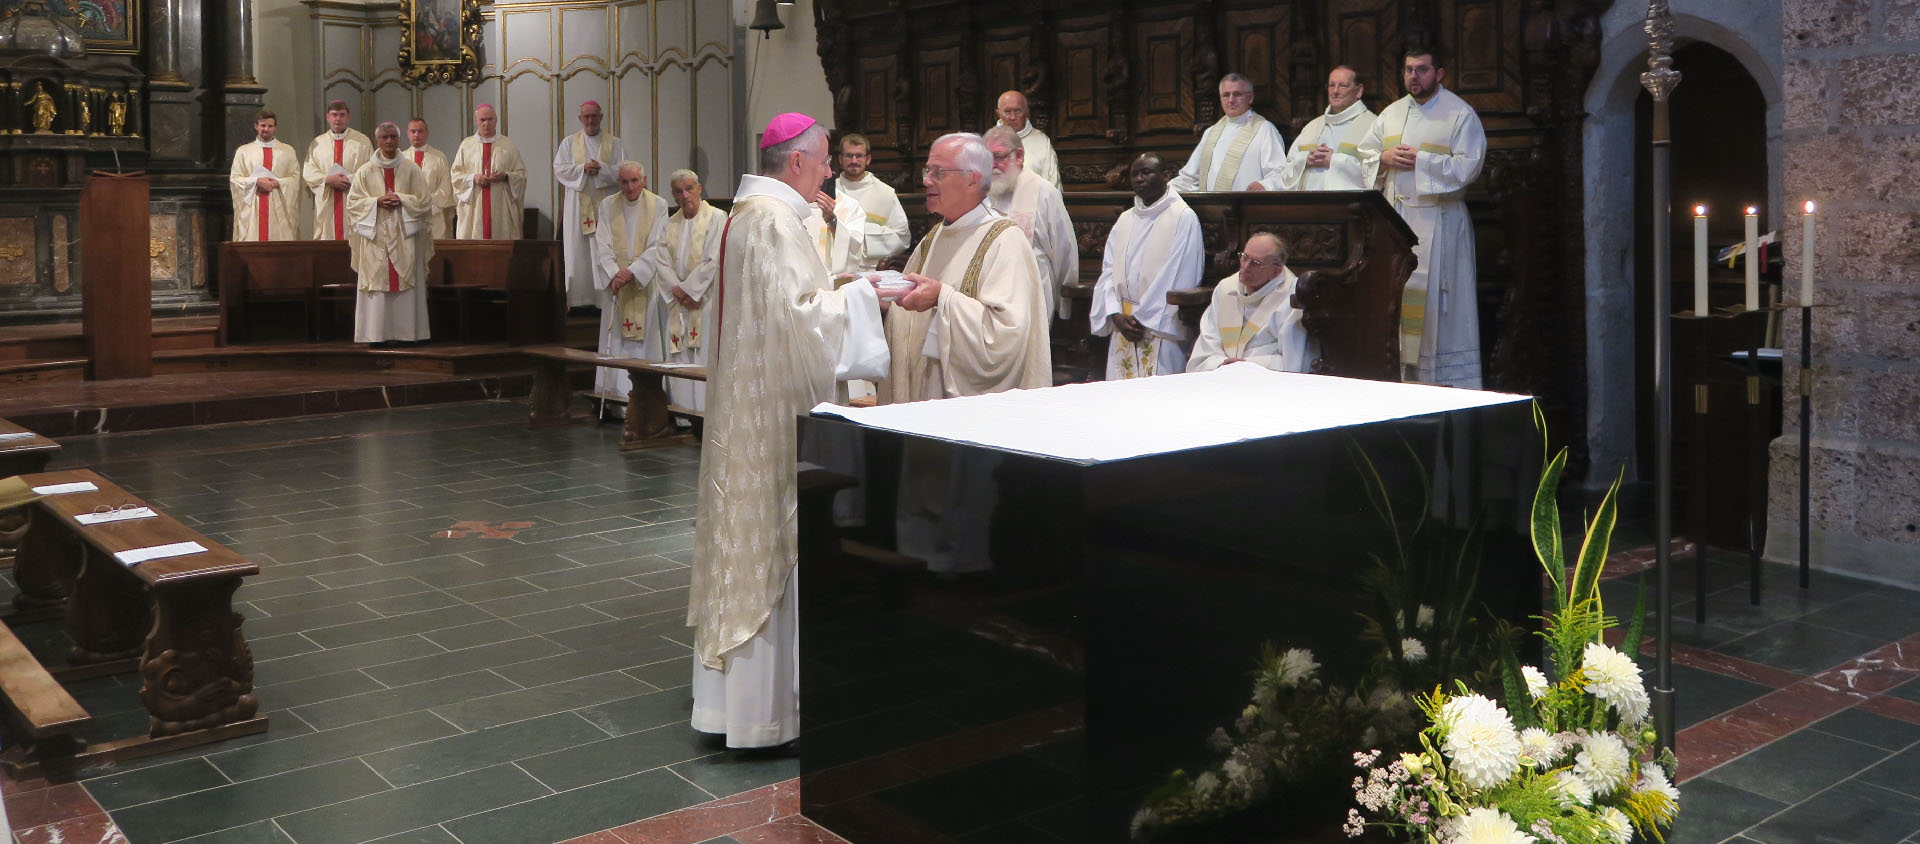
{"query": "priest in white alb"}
[(785, 337), (583, 164), (1252, 317), (838, 226), (433, 163), (1152, 249), (489, 181), (886, 224), (1326, 156), (1240, 151), (332, 159), (1422, 152), (685, 266), (389, 206), (624, 266), (1011, 109), (1041, 212), (265, 183)]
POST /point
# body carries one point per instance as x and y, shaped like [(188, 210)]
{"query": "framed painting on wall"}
[(440, 39), (108, 26)]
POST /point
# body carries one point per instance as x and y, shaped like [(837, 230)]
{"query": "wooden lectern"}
[(116, 304)]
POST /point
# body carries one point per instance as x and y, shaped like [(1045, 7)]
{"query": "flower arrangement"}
[(1566, 761)]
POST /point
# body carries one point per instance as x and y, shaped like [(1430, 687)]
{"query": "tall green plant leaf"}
[(1593, 549), (1546, 528), (1638, 627), (1513, 684)]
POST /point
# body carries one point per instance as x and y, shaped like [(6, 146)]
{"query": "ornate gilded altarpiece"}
[(1108, 80), (440, 39)]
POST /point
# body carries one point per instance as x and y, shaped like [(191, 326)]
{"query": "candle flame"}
[(1751, 210), (1699, 210), (1809, 206)]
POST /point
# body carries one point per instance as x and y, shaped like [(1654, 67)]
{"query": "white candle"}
[(1806, 256), (1753, 258), (1699, 260)]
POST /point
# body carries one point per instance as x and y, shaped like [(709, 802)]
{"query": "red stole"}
[(339, 196), (260, 201), (486, 191), (393, 275)]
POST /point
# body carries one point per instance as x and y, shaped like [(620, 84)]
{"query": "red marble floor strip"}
[(87, 829), (605, 836), (1729, 666), (52, 804), (1778, 713), (1899, 709), (1710, 744), (792, 829), (1879, 670), (715, 818), (871, 820)]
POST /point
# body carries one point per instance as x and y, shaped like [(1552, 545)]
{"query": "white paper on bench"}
[(115, 516), (57, 489), (136, 556), (16, 435)]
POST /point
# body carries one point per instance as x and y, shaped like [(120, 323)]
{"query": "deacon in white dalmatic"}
[(1240, 151), (1153, 248), (1252, 317), (1011, 108), (886, 223), (390, 207), (489, 181), (433, 163), (1422, 152), (625, 266), (684, 269), (332, 159), (785, 337), (1035, 205), (265, 180), (1326, 156), (584, 165)]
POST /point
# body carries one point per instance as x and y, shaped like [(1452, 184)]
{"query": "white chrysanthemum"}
[(1603, 762), (1653, 778), (1480, 740), (1572, 791), (1485, 825), (1537, 684), (1413, 649), (1613, 677), (1205, 784), (1540, 746), (1296, 667), (1144, 823), (1618, 824), (1423, 619)]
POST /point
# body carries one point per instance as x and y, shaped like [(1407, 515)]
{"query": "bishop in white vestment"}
[(391, 236), (1240, 151), (1252, 317), (785, 337), (685, 266), (1012, 112), (1153, 248), (265, 181), (1422, 152), (1035, 205), (886, 224), (433, 163), (1326, 156), (625, 265), (332, 159), (489, 181), (584, 165)]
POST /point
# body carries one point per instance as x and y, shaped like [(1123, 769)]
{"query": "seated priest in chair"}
[(390, 207), (1252, 317)]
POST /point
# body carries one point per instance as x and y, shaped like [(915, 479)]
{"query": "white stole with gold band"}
[(1237, 326), (683, 325), (632, 301), (1236, 149), (590, 195), (1137, 360)]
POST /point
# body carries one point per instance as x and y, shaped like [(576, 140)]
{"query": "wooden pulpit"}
[(116, 304)]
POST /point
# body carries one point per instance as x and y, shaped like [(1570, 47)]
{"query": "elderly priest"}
[(1037, 206), (1240, 151), (683, 271), (584, 165), (785, 337), (264, 179), (1252, 317), (624, 266), (489, 180), (1326, 156), (1153, 249), (390, 205)]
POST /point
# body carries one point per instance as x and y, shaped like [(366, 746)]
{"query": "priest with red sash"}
[(390, 207), (489, 181)]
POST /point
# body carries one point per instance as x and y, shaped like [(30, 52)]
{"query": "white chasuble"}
[(580, 206), (1260, 327), (1041, 212), (268, 216), (489, 211), (1340, 132), (1233, 154), (327, 155), (1152, 249), (785, 336), (886, 224), (630, 232), (689, 258), (989, 332), (433, 163), (1440, 309), (390, 250), (843, 245)]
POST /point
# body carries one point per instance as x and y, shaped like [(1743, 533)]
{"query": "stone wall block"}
[(1878, 91), (1835, 489), (1874, 246), (1822, 168), (1892, 512), (1887, 411), (1836, 402), (1903, 20), (1823, 23), (1806, 89)]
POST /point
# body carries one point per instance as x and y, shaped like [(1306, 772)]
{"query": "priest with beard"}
[(262, 181), (1041, 212), (389, 205)]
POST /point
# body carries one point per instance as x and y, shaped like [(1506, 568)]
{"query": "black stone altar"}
[(1127, 600)]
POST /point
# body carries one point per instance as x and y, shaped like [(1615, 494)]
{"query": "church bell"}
[(766, 18)]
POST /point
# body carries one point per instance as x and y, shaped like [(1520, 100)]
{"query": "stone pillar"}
[(241, 93), (163, 53), (1852, 144)]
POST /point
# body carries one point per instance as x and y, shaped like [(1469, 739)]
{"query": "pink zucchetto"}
[(591, 103), (785, 128)]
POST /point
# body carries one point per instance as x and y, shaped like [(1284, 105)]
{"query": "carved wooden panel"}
[(1482, 38), (1078, 62), (1163, 52), (1309, 245), (1365, 34), (1257, 42), (939, 75), (874, 83), (1007, 56)]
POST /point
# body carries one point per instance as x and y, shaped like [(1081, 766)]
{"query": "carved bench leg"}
[(196, 671), (108, 613), (44, 564), (648, 423), (552, 398)]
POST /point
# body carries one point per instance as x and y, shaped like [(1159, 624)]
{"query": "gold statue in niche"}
[(43, 108), (86, 116), (116, 116)]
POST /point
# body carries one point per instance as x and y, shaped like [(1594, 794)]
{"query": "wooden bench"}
[(170, 618), (20, 455), (649, 415), (49, 716)]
